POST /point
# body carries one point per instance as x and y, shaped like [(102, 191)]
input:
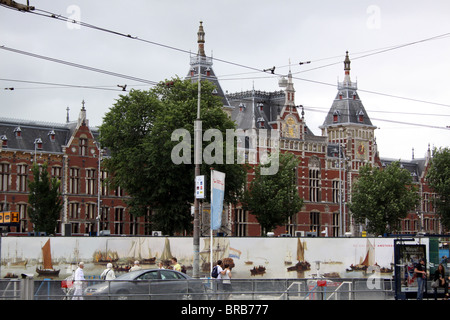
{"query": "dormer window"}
[(340, 95), (360, 116), (241, 107), (261, 122), (18, 132), (52, 135), (208, 72), (336, 115), (38, 143), (260, 106), (4, 141)]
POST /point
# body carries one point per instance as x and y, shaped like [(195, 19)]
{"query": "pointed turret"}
[(348, 123), (347, 108), (203, 64)]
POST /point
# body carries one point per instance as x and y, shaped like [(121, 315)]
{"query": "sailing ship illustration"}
[(220, 251), (369, 261), (47, 269), (166, 255), (141, 251), (258, 270), (248, 261), (302, 264), (104, 257), (16, 261), (288, 258)]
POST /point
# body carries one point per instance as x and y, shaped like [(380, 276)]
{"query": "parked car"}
[(149, 284)]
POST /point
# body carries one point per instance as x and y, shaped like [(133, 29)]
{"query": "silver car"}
[(146, 284)]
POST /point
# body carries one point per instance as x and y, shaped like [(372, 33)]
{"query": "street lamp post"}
[(99, 189), (197, 161)]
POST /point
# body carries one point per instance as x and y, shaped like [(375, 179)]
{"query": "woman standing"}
[(226, 281)]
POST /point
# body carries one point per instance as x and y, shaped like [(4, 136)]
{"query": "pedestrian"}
[(421, 275), (135, 267), (217, 275), (78, 282), (226, 281), (108, 273), (439, 276), (176, 265)]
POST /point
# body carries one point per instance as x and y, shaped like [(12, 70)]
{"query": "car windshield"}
[(128, 276)]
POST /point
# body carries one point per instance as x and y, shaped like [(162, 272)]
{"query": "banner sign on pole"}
[(200, 187), (217, 195)]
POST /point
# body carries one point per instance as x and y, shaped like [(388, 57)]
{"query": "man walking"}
[(78, 282)]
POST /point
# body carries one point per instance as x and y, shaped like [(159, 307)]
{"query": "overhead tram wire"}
[(315, 109), (79, 66), (58, 85), (66, 19), (84, 24)]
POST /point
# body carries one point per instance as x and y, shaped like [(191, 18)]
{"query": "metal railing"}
[(210, 289)]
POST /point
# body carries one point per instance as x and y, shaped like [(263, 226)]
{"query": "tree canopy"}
[(139, 133), (438, 177), (382, 197), (273, 199), (44, 200)]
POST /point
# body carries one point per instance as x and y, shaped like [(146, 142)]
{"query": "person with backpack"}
[(108, 273), (217, 273)]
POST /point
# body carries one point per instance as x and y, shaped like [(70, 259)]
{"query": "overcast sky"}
[(407, 85)]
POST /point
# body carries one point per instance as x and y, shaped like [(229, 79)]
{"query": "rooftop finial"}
[(201, 40), (347, 68)]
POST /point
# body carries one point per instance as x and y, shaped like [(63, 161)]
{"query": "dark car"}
[(149, 284)]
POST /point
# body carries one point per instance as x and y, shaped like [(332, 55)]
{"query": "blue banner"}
[(217, 195)]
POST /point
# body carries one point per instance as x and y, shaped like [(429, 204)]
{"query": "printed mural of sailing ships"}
[(249, 257)]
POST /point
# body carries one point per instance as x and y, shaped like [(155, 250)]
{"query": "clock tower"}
[(347, 124)]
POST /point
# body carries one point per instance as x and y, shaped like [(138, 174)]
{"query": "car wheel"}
[(123, 295), (188, 296)]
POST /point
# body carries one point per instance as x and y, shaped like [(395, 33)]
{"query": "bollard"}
[(26, 287)]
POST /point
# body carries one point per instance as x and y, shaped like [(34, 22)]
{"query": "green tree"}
[(273, 199), (138, 131), (44, 200), (438, 177), (382, 197)]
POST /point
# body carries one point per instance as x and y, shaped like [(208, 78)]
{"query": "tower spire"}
[(201, 40), (347, 68)]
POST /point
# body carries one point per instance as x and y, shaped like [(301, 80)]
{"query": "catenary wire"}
[(66, 19)]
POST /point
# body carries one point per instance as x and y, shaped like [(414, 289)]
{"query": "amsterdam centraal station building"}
[(329, 164)]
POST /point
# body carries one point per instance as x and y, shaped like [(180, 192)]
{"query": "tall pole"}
[(340, 193), (99, 190), (197, 161)]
